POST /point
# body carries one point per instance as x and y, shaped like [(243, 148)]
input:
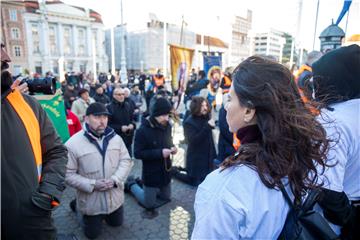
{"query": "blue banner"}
[(344, 10), (212, 66)]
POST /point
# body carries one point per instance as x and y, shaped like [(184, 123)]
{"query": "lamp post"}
[(123, 75)]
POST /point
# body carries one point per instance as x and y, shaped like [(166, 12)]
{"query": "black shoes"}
[(129, 182), (149, 213), (72, 205)]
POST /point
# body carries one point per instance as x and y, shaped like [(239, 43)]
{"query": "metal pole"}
[(112, 52), (123, 75), (316, 19), (182, 28), (165, 52), (347, 18)]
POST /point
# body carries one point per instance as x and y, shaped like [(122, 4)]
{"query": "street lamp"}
[(123, 75)]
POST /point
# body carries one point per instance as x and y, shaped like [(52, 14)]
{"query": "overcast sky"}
[(211, 16)]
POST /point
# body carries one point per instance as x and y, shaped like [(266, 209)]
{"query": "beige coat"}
[(86, 165), (79, 107)]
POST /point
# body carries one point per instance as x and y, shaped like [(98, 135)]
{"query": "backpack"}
[(304, 223)]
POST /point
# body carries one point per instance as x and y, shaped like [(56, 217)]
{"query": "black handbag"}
[(303, 223)]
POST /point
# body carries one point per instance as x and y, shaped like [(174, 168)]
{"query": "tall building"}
[(270, 43), (240, 40), (57, 30), (13, 35), (145, 46)]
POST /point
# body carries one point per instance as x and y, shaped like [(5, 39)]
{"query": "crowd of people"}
[(280, 137)]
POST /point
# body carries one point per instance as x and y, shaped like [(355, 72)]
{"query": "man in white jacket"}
[(98, 166)]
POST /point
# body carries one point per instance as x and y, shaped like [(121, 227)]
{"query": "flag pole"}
[(347, 18), (316, 20)]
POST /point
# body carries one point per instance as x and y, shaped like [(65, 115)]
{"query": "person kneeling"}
[(98, 166), (153, 145), (201, 152)]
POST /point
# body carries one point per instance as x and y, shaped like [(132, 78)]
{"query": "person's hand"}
[(130, 127), (22, 88), (173, 150), (166, 152), (211, 123), (136, 111), (109, 183), (100, 185), (124, 128)]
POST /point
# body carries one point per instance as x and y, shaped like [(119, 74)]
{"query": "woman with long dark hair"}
[(281, 144), (201, 151)]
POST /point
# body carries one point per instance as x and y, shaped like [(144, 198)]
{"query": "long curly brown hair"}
[(292, 141)]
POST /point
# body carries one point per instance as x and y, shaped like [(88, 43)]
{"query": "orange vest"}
[(236, 142), (159, 81), (302, 95), (31, 124), (226, 84)]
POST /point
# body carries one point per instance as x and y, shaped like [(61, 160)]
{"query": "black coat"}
[(201, 149), (150, 139), (24, 212), (225, 144), (121, 115), (101, 98)]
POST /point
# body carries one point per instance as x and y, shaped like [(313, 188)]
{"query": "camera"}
[(45, 85)]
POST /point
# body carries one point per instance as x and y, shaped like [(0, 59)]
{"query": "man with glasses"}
[(122, 117)]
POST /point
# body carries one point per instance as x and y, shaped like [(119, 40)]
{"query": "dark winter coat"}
[(101, 98), (121, 115), (201, 149), (225, 144), (25, 213), (150, 139)]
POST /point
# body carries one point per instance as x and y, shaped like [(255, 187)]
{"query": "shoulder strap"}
[(31, 123), (286, 196)]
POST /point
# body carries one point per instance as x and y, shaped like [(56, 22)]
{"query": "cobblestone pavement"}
[(175, 220)]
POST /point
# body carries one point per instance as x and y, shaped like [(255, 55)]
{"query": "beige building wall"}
[(13, 35)]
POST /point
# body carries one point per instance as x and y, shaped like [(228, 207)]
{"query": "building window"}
[(67, 41), (52, 40), (36, 38), (15, 33), (17, 51), (13, 15), (81, 41), (17, 69), (55, 67)]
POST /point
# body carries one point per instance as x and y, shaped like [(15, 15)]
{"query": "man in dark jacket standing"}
[(153, 145), (121, 118), (100, 96), (33, 162)]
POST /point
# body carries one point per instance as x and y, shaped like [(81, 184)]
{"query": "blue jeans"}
[(151, 197)]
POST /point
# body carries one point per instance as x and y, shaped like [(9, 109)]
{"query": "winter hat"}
[(337, 75), (160, 106), (97, 109)]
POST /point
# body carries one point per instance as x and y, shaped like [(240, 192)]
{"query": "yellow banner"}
[(181, 61)]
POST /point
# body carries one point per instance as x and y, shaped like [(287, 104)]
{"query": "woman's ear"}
[(249, 115)]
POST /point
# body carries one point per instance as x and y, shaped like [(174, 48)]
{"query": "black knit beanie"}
[(337, 75), (160, 106)]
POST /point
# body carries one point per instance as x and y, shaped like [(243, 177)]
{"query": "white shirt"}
[(343, 125), (235, 204)]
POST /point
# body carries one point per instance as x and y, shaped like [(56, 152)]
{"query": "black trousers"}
[(92, 225)]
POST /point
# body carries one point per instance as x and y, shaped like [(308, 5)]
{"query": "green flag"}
[(55, 109)]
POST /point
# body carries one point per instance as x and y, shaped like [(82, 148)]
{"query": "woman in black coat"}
[(201, 149)]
